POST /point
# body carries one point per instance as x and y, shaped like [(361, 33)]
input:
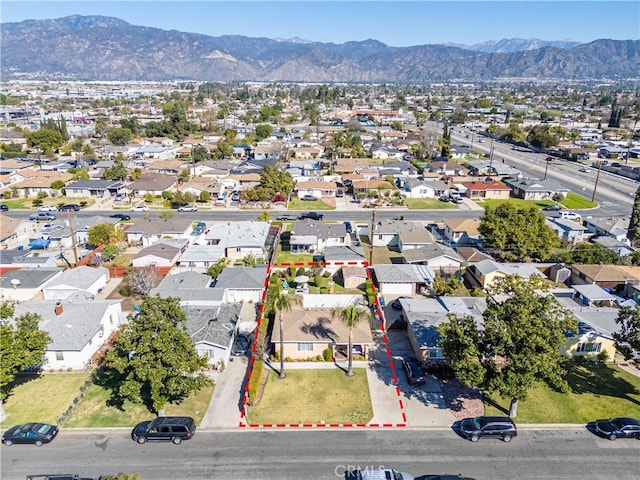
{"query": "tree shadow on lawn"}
[(599, 379), (20, 379)]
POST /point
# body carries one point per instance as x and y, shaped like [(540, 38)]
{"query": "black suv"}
[(73, 207), (165, 429), (416, 375), (312, 216), (488, 426)]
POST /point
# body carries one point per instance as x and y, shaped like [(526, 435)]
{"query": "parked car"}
[(552, 208), (69, 207), (188, 208), (34, 433), (4, 208), (396, 303), (488, 426), (348, 227), (140, 208), (309, 198), (164, 429), (570, 215), (416, 375), (121, 216), (312, 216), (584, 169), (199, 228), (118, 197), (619, 427), (241, 345), (235, 197), (46, 208), (339, 193), (36, 217), (445, 198)]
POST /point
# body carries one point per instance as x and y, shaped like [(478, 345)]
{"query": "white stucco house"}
[(78, 328), (81, 279)]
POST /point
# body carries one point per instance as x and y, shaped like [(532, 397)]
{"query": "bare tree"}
[(141, 281)]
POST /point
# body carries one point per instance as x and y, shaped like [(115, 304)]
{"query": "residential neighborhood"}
[(267, 253)]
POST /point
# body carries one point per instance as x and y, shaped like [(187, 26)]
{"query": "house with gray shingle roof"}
[(534, 189), (147, 231), (309, 236), (77, 328), (24, 284), (569, 230), (161, 254), (440, 257), (238, 239), (401, 234), (80, 279), (241, 284), (213, 330), (93, 188), (402, 279)]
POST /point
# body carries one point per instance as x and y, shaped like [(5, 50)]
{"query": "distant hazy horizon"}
[(398, 24)]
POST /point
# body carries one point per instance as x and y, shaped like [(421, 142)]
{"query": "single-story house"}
[(611, 227), (239, 239), (154, 184), (213, 330), (440, 257), (77, 328), (486, 272), (490, 189), (404, 235), (462, 231), (402, 279), (93, 188), (73, 280), (200, 257), (148, 231), (531, 189), (23, 284), (613, 244), (309, 236), (308, 332), (569, 230), (241, 284), (164, 253), (316, 189), (613, 277)]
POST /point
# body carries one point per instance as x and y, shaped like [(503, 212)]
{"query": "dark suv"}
[(312, 216), (488, 426), (165, 429), (415, 373), (73, 207)]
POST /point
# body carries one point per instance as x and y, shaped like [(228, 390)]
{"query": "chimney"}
[(58, 309)]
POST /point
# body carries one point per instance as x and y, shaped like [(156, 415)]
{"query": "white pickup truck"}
[(376, 474)]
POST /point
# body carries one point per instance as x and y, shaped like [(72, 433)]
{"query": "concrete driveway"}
[(226, 401)]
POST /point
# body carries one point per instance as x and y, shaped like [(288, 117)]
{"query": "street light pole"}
[(595, 185), (546, 167)]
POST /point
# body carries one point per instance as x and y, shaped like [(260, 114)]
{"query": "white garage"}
[(397, 279)]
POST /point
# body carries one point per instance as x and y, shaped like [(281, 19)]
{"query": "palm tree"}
[(282, 302), (351, 315)]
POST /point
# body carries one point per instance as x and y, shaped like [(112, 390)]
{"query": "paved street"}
[(323, 455)]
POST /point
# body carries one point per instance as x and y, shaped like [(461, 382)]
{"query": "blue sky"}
[(397, 23)]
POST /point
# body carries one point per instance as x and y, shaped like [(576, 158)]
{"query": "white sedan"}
[(188, 208), (47, 208), (140, 208), (584, 170)]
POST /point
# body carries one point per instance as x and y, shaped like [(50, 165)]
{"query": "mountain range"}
[(108, 49)]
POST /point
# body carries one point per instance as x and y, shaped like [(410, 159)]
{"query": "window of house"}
[(589, 347), (305, 347), (60, 356), (379, 237)]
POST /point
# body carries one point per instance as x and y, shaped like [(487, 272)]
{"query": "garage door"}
[(396, 289)]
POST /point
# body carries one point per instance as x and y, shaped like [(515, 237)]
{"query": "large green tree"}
[(119, 136), (154, 360), (517, 234), (351, 315), (102, 233), (628, 336), (22, 345), (276, 180), (116, 172), (45, 140), (633, 232), (517, 345)]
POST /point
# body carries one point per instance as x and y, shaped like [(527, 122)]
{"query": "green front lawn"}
[(572, 202), (597, 391), (575, 201), (18, 203), (314, 396), (285, 256), (41, 398), (94, 411), (308, 205), (428, 204)]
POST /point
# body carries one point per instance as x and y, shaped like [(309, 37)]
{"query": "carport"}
[(593, 294)]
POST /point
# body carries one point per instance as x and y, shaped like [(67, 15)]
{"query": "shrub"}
[(326, 274), (254, 381), (301, 271), (603, 357), (148, 198), (84, 203), (327, 354), (324, 290)]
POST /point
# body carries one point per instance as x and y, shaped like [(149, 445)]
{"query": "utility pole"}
[(595, 185), (546, 167), (371, 230), (73, 238)]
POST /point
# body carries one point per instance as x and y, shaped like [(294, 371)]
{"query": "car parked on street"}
[(121, 216), (69, 207), (619, 427), (4, 208), (164, 429), (188, 208), (312, 216), (416, 375), (140, 208), (488, 426), (32, 433), (47, 208), (570, 215), (40, 216), (552, 208)]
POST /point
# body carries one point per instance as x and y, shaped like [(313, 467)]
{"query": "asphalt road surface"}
[(287, 455)]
